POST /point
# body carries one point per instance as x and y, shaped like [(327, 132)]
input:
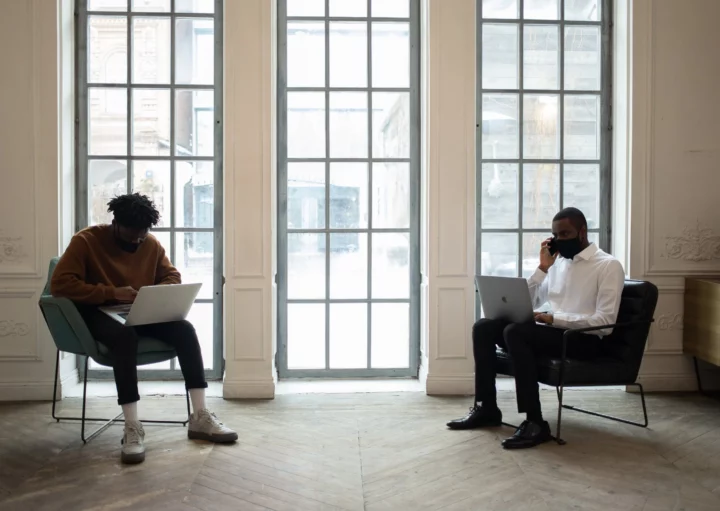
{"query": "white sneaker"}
[(133, 448), (204, 425)]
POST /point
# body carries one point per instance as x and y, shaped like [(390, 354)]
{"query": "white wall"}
[(29, 199), (666, 141), (674, 155)]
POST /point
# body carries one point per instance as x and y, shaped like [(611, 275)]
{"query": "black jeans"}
[(122, 341), (524, 343)]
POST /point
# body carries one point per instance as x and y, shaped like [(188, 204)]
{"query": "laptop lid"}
[(506, 298), (162, 304)]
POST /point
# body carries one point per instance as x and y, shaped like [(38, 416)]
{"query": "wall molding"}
[(259, 388), (450, 384), (670, 321), (695, 244), (11, 328), (27, 390)]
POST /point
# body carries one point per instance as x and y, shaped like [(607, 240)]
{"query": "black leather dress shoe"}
[(529, 434), (479, 417)]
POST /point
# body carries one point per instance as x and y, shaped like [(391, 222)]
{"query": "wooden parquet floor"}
[(368, 451)]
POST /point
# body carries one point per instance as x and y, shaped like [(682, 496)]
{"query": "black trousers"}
[(524, 342), (122, 341)]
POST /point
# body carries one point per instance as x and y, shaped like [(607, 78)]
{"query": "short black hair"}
[(134, 210), (576, 217)]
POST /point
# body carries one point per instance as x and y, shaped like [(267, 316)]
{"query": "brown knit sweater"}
[(93, 266)]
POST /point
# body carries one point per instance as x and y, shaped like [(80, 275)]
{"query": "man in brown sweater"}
[(107, 264)]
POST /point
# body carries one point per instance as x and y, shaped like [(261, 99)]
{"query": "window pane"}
[(306, 125), (201, 317), (348, 335), (305, 54), (500, 9), (107, 49), (541, 9), (390, 8), (107, 129), (583, 10), (348, 195), (499, 254), (582, 190), (194, 260), (541, 191), (541, 130), (306, 336), (391, 195), (106, 179), (151, 50), (499, 196), (348, 265), (348, 54), (594, 237), (151, 5), (194, 194), (541, 57), (582, 127), (531, 251), (163, 238), (306, 195), (194, 123), (348, 125), (306, 266), (582, 58), (500, 127), (194, 51), (390, 265), (391, 55), (348, 8), (152, 178), (306, 7), (198, 6), (391, 124), (151, 122), (499, 56), (107, 5), (390, 334)]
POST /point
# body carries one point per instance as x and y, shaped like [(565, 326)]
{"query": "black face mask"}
[(126, 246), (568, 248)]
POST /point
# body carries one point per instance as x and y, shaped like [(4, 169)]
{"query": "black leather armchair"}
[(619, 362)]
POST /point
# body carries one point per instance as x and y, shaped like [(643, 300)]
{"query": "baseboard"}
[(677, 382), (27, 391), (450, 384), (249, 389)]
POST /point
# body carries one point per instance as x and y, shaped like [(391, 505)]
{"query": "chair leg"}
[(57, 370), (187, 399), (617, 419), (558, 439)]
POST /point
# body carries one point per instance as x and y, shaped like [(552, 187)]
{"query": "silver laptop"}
[(506, 298), (156, 304)]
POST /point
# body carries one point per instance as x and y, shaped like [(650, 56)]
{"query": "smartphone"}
[(552, 246)]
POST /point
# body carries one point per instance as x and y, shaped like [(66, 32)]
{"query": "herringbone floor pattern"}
[(368, 451)]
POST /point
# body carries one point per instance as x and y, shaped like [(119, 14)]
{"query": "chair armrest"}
[(67, 326), (574, 331)]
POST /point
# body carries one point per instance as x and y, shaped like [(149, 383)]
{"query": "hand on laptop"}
[(125, 294), (543, 317)]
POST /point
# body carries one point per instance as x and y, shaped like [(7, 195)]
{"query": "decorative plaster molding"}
[(11, 249), (696, 244), (10, 328), (670, 321)]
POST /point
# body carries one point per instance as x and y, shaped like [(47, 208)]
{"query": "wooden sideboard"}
[(701, 326)]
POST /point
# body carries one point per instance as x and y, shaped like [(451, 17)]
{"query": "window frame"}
[(282, 194), (82, 156), (604, 229)]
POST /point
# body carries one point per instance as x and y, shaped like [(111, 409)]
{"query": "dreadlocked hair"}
[(134, 210)]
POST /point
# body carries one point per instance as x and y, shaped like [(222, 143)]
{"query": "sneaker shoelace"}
[(133, 435), (213, 420)]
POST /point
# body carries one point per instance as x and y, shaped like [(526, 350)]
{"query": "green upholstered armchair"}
[(71, 335)]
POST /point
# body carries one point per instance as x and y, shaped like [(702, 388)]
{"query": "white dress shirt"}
[(582, 292)]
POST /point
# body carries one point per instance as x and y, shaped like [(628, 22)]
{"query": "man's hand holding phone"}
[(548, 254)]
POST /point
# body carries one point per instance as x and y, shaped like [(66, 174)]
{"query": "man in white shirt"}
[(582, 288)]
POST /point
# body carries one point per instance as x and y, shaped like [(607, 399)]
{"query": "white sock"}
[(197, 398), (130, 412)]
